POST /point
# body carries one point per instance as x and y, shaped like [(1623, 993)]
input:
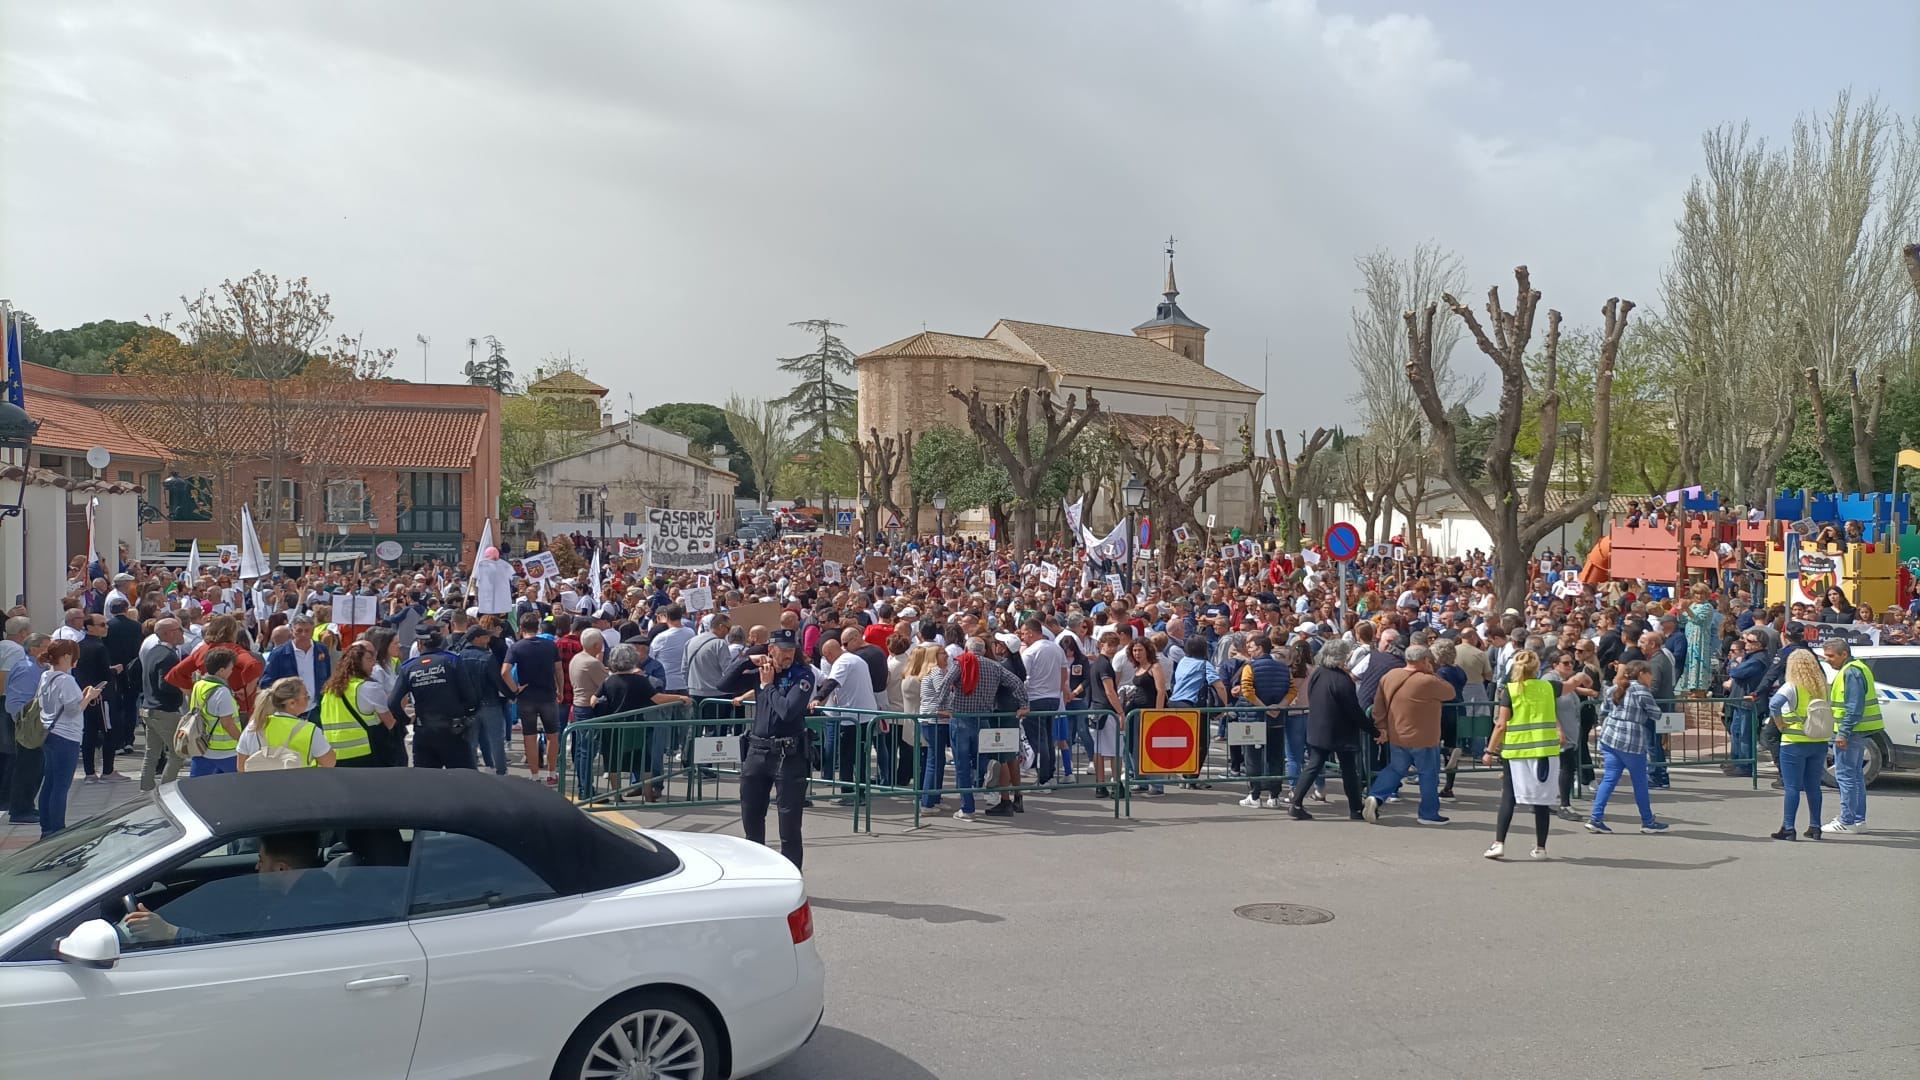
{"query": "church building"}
[(1157, 374)]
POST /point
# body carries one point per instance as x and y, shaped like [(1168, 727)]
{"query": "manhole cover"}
[(1284, 914)]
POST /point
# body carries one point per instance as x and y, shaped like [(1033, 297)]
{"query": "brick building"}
[(417, 465)]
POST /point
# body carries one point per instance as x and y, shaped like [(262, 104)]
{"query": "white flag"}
[(193, 564), (473, 574), (593, 575), (253, 564), (1073, 517), (93, 549), (1113, 547)]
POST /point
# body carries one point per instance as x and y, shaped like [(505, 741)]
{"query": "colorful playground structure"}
[(1810, 542)]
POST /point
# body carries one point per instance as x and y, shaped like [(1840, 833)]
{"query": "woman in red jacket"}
[(245, 680)]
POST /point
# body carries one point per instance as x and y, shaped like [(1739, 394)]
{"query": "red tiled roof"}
[(69, 425), (367, 436)]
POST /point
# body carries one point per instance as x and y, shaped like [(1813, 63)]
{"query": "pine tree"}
[(820, 405), (494, 371)]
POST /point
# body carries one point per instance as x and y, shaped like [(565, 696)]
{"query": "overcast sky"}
[(661, 187)]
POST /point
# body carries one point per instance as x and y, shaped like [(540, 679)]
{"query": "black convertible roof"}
[(537, 825)]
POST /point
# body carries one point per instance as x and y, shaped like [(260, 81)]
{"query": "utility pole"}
[(426, 343)]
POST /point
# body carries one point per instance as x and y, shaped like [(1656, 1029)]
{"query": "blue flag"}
[(16, 386)]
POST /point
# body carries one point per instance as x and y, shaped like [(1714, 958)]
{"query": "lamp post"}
[(606, 520), (940, 524), (1135, 494), (16, 434), (1571, 430), (866, 511)]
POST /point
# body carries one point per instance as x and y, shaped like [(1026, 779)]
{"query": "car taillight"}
[(800, 922)]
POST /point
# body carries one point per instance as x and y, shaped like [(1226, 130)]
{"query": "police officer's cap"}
[(785, 639)]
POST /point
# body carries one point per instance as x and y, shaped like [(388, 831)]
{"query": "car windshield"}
[(77, 858)]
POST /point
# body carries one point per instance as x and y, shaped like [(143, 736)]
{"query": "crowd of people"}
[(1416, 675)]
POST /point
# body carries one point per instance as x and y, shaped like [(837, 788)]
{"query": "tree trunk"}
[(1823, 439)]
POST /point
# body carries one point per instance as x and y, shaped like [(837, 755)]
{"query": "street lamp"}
[(606, 520), (866, 510), (1135, 495), (940, 523), (1569, 431), (16, 433)]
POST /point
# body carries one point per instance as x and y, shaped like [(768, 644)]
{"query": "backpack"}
[(190, 738), (1819, 719), (30, 727), (278, 756)]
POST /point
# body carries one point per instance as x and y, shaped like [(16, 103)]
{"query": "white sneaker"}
[(1540, 853), (1495, 850), (1838, 826), (1250, 803), (1370, 809), (962, 815), (1269, 804)]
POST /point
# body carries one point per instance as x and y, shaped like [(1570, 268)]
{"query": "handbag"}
[(30, 727)]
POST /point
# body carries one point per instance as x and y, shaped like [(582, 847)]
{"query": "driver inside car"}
[(290, 888)]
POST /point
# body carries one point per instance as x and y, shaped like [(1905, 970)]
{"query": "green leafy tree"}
[(706, 425), (821, 405), (532, 430), (85, 349), (951, 461)]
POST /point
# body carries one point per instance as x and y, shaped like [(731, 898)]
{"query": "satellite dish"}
[(98, 457)]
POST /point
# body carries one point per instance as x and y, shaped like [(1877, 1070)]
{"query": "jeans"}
[(1740, 736), (1039, 728), (207, 766), (886, 750), (933, 762), (1423, 760), (28, 766), (1635, 766), (1657, 763), (1296, 730), (1802, 767), (1849, 775), (490, 727), (966, 753), (1254, 760), (62, 757)]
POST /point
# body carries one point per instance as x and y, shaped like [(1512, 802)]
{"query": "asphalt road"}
[(1062, 944)]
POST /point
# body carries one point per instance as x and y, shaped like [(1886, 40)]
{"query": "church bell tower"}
[(1170, 326)]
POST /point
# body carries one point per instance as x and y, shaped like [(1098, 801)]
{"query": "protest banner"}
[(696, 599), (681, 539), (875, 564), (830, 571), (840, 549), (540, 565), (752, 615)]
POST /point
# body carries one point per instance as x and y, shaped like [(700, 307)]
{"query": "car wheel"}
[(1872, 761), (645, 1035)]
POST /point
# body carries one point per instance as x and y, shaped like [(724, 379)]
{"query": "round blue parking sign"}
[(1343, 541)]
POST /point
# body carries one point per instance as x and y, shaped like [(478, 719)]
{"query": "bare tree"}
[(1866, 429), (1516, 518), (1279, 469), (1009, 434), (881, 461), (1389, 410), (760, 428), (1170, 462)]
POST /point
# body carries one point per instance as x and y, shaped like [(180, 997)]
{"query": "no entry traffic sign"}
[(1169, 740), (1343, 541)]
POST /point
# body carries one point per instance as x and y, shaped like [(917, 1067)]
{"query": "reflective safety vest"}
[(1870, 713), (1533, 729), (1793, 719), (217, 737), (275, 732), (346, 729)]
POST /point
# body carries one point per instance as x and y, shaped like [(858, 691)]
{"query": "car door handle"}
[(379, 982)]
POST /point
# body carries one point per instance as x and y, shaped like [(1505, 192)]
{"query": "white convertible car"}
[(383, 924)]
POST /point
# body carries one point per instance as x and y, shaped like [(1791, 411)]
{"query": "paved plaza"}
[(1065, 944)]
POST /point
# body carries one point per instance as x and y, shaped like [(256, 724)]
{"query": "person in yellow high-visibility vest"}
[(1856, 716), (277, 721), (1803, 757), (1528, 740), (351, 706)]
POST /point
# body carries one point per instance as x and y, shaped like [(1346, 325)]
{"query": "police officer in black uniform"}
[(776, 758), (444, 703)]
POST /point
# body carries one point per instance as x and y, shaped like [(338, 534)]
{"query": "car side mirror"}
[(94, 943)]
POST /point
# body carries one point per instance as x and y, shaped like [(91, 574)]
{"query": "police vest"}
[(1870, 712), (217, 737), (1533, 729), (1793, 719), (291, 732), (346, 729)]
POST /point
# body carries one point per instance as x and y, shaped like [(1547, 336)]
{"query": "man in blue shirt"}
[(1197, 683), (21, 770)]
